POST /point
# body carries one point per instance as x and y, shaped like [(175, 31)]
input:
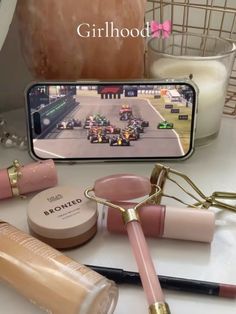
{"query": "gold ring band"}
[(14, 174)]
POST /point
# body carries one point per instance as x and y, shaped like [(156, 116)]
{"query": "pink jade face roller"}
[(122, 187)]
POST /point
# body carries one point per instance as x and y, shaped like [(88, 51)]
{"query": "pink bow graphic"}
[(158, 28)]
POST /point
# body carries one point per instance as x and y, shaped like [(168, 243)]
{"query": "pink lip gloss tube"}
[(20, 180), (159, 221)]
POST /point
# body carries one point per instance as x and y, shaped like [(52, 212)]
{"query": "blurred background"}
[(216, 17), (14, 75)]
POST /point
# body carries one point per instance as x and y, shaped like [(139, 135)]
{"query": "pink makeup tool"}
[(160, 221), (18, 180), (122, 187)]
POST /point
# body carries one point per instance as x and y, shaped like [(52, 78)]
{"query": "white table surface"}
[(212, 167)]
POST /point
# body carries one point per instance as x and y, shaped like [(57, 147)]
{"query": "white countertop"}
[(212, 167)]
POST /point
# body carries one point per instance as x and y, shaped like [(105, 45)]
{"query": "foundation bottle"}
[(51, 280)]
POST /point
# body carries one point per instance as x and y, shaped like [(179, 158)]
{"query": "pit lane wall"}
[(45, 119)]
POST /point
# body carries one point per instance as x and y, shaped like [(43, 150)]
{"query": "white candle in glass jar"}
[(211, 79)]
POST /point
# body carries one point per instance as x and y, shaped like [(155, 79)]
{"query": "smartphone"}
[(111, 121)]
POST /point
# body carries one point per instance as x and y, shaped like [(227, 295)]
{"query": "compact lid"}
[(189, 224), (61, 213)]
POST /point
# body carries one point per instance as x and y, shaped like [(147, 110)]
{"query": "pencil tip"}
[(227, 291)]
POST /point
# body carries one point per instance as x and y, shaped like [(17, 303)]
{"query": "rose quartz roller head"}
[(124, 187), (20, 180), (121, 187)]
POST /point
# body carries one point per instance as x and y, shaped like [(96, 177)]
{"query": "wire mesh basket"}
[(209, 17)]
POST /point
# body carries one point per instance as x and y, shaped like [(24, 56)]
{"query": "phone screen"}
[(111, 121)]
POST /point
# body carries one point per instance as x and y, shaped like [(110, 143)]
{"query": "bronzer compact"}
[(62, 217)]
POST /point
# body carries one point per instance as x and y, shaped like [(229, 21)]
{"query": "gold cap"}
[(159, 308), (130, 215)]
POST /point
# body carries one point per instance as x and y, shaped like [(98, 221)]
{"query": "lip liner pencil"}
[(121, 276)]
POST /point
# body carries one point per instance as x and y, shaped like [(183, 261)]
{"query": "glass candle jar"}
[(208, 61)]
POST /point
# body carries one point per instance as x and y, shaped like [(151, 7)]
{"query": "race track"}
[(74, 144)]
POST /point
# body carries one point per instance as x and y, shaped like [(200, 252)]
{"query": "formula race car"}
[(136, 126), (101, 120), (65, 125), (99, 138), (93, 131), (89, 124), (95, 120), (111, 129), (165, 125), (76, 122), (140, 121), (125, 108), (130, 134), (125, 116), (119, 141)]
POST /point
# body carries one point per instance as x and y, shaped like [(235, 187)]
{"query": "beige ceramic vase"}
[(53, 49)]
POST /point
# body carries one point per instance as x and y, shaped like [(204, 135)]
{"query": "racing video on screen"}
[(111, 121)]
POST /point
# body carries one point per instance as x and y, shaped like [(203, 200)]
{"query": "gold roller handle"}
[(159, 308)]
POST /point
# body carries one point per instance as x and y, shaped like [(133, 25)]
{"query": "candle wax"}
[(211, 79)]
